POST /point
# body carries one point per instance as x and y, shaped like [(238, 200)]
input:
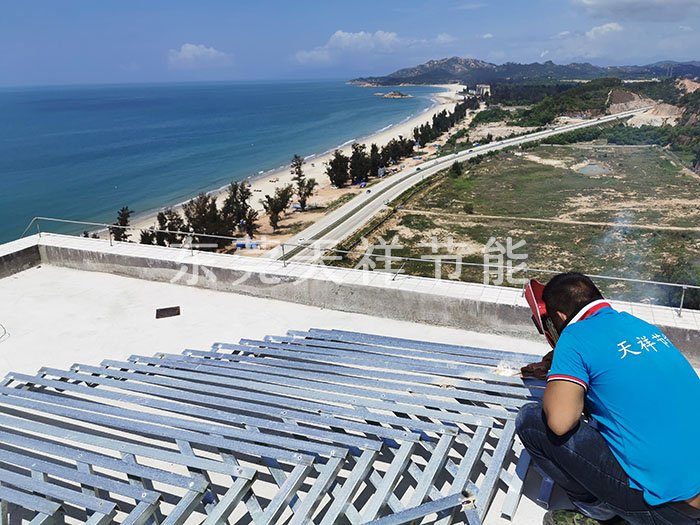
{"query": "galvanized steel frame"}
[(322, 426)]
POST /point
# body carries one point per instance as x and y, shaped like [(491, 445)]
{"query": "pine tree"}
[(169, 221), (250, 224), (304, 187), (203, 217), (123, 219), (375, 160), (337, 169), (277, 204), (236, 207), (147, 236), (359, 163)]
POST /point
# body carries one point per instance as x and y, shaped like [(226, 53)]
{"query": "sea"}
[(82, 152)]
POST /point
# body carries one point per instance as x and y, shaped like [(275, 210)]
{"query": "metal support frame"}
[(317, 427)]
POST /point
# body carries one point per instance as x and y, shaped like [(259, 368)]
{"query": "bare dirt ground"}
[(687, 85), (497, 130), (660, 114)]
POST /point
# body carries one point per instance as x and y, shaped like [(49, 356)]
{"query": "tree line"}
[(362, 164), (202, 217), (444, 121)]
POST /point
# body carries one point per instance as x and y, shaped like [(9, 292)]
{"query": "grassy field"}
[(632, 213)]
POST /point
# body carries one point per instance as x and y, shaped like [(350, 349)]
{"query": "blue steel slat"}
[(29, 501), (92, 480), (43, 519), (491, 380), (251, 387), (400, 342), (337, 368), (251, 503), (515, 487), (343, 495), (183, 510), (389, 481), (448, 503), (513, 358), (328, 474), (228, 503), (376, 354), (200, 412), (438, 458), (218, 429), (89, 503), (428, 355), (487, 488), (466, 466), (285, 494), (435, 374), (99, 460), (141, 514), (174, 390), (93, 415), (484, 371), (492, 360), (123, 446), (398, 401), (489, 359)]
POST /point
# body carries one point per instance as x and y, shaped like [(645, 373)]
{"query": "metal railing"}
[(321, 251)]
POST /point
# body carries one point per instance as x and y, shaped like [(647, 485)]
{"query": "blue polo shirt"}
[(643, 394)]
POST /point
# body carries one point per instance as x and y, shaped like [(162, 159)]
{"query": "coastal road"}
[(310, 243)]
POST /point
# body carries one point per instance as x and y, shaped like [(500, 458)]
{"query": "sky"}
[(46, 42)]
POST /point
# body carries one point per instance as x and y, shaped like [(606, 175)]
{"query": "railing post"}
[(38, 229), (109, 230), (284, 259), (680, 308)]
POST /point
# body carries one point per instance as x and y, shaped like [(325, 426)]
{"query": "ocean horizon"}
[(83, 152)]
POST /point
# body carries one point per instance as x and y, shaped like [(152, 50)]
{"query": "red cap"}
[(533, 296)]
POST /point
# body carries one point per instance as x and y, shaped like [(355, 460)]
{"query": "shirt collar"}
[(589, 310)]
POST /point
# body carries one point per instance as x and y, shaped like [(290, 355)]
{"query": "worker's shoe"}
[(571, 517)]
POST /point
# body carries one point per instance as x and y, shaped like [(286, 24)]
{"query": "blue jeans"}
[(582, 464)]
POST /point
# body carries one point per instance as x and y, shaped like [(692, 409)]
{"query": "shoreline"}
[(265, 183)]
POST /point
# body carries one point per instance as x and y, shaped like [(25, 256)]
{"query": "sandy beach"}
[(314, 167)]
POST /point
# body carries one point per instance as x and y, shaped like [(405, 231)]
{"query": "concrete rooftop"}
[(58, 316), (56, 313)]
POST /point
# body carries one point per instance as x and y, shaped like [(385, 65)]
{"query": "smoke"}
[(631, 251)]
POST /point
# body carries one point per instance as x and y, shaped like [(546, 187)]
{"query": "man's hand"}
[(563, 404), (538, 370)]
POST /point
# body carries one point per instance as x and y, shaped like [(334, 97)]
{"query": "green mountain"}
[(473, 71)]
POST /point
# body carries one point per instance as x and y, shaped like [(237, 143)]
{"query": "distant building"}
[(483, 90)]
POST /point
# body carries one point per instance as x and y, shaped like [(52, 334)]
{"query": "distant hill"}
[(473, 71)]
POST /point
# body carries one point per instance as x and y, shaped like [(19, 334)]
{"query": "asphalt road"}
[(326, 233)]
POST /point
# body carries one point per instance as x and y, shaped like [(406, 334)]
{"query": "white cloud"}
[(562, 34), (445, 38), (544, 53), (685, 29), (196, 56), (599, 31), (487, 36), (344, 44), (641, 9)]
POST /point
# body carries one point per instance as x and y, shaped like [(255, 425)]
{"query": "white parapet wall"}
[(471, 306)]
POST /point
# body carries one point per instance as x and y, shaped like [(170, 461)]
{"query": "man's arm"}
[(563, 404)]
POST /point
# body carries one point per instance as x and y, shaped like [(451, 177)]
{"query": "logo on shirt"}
[(643, 344)]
